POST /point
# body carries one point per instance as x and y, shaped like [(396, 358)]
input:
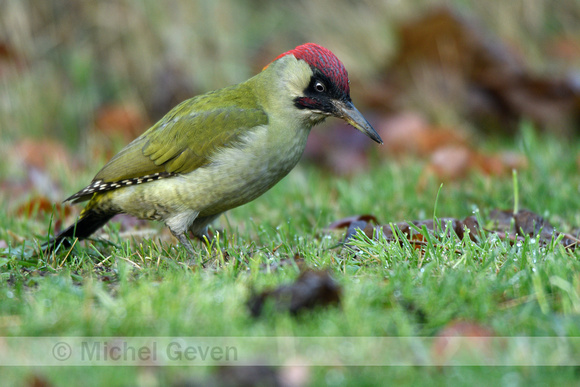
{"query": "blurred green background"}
[(67, 68), (62, 59)]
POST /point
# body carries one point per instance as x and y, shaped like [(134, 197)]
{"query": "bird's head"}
[(320, 87)]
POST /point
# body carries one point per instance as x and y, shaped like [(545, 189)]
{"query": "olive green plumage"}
[(219, 150), (186, 137)]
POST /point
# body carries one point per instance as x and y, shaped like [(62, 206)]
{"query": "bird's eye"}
[(319, 86)]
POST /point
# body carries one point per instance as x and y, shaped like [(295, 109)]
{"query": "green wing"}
[(186, 138)]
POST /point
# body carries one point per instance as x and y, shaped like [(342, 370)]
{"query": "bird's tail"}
[(89, 222)]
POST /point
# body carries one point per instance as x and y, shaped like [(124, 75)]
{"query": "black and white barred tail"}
[(101, 186)]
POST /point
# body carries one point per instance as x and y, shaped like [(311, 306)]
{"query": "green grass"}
[(75, 60), (389, 289)]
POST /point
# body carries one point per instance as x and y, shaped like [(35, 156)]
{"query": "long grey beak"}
[(350, 114)]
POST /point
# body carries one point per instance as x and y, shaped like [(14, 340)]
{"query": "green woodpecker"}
[(221, 149)]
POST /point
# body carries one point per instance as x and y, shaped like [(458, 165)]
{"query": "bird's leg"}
[(184, 240), (202, 234), (199, 228), (179, 224)]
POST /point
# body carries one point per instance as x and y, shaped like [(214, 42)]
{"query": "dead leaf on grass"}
[(313, 288), (505, 224), (408, 229)]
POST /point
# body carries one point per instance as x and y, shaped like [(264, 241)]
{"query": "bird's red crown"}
[(324, 60)]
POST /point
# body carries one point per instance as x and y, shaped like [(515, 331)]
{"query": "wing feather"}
[(183, 140)]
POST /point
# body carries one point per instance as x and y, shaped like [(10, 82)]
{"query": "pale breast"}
[(240, 174)]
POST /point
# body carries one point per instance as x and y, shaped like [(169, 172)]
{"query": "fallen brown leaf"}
[(311, 289), (503, 223), (348, 221)]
